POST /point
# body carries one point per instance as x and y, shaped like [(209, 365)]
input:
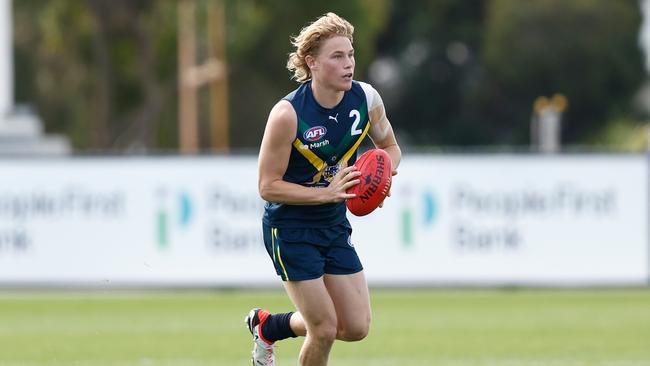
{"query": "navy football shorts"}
[(306, 254)]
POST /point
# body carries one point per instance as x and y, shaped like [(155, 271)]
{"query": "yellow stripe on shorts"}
[(275, 235), (273, 243)]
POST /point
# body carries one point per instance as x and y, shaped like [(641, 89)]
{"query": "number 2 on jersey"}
[(355, 125)]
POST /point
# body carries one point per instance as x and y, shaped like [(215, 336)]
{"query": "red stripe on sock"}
[(263, 315)]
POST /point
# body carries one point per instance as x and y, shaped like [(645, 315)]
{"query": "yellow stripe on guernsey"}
[(317, 162), (275, 235), (354, 147)]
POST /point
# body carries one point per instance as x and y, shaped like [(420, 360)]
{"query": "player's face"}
[(335, 63)]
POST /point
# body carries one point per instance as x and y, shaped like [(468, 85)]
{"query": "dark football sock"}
[(276, 327)]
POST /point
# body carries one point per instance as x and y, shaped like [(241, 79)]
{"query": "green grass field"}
[(414, 327)]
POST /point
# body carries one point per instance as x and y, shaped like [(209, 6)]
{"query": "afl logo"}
[(315, 133)]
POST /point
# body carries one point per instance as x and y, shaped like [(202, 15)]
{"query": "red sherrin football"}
[(376, 173)]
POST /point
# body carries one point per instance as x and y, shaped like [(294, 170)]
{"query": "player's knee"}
[(353, 333), (324, 333)]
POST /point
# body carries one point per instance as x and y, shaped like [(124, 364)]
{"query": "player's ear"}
[(311, 62)]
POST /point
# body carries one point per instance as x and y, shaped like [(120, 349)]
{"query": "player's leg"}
[(300, 264), (346, 284), (267, 328), (349, 294), (297, 324), (316, 319)]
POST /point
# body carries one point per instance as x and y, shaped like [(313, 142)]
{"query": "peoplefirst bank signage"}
[(499, 220), (140, 222), (451, 220)]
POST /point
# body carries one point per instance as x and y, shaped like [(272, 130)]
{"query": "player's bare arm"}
[(274, 156), (382, 135)]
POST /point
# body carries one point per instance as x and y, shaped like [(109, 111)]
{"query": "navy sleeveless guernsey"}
[(326, 142)]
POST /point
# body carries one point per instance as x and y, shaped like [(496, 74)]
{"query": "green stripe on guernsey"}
[(344, 149), (275, 234), (302, 127), (344, 145)]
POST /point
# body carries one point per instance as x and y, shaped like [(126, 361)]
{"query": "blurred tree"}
[(467, 72), (451, 72), (585, 49), (103, 72), (428, 70)]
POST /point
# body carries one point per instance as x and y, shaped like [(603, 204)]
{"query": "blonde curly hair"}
[(309, 40)]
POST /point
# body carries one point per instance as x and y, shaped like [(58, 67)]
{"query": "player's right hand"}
[(341, 182)]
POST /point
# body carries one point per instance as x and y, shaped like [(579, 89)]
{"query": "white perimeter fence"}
[(475, 220)]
